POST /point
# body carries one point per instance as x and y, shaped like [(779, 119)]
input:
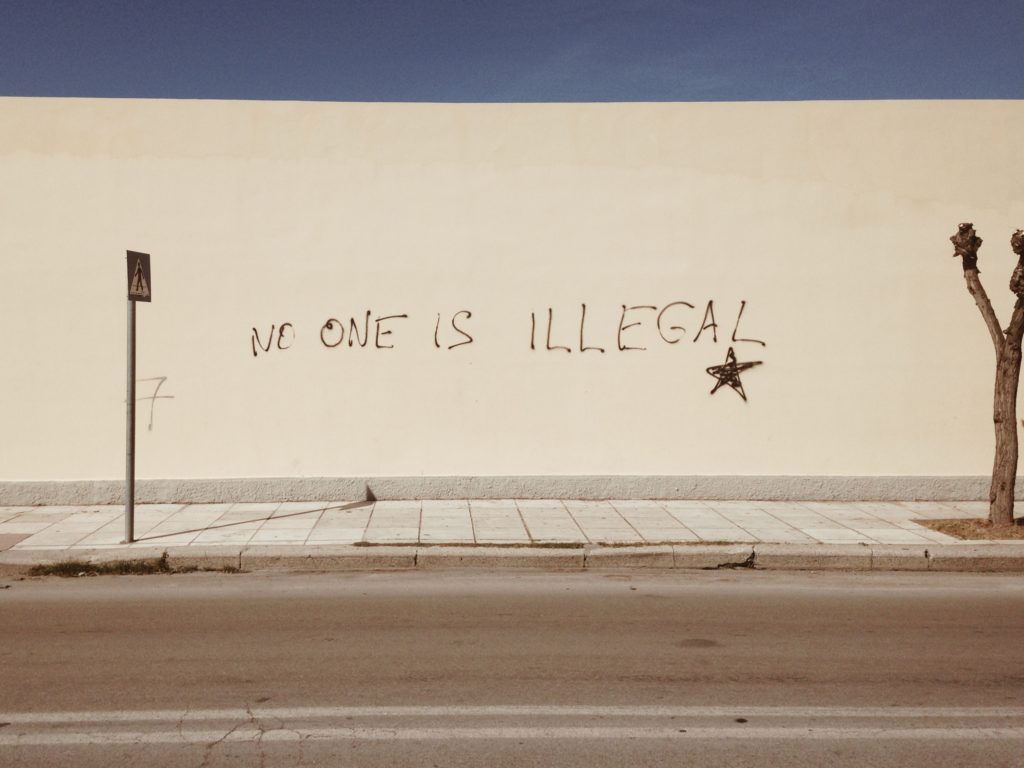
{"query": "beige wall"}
[(830, 220)]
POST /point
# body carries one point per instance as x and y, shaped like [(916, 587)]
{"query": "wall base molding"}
[(743, 487)]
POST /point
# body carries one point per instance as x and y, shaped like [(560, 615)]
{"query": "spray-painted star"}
[(729, 373)]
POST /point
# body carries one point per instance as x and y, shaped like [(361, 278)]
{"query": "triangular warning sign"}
[(139, 286)]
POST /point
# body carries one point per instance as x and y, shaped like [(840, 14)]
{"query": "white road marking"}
[(271, 724), (307, 713), (522, 734)]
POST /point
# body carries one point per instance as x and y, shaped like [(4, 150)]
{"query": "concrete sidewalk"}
[(495, 533)]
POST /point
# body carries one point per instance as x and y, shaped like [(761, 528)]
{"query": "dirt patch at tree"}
[(976, 529)]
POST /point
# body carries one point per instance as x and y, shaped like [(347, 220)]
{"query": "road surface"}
[(495, 669)]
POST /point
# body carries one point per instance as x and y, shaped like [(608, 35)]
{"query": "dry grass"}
[(72, 568), (975, 529)]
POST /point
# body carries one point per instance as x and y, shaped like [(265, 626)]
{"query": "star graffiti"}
[(728, 374)]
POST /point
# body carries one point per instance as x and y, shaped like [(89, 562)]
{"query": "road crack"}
[(750, 562)]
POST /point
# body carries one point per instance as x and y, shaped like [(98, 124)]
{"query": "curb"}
[(984, 558)]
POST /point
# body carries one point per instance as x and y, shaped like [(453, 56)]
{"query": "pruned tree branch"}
[(977, 290), (966, 244), (1015, 330)]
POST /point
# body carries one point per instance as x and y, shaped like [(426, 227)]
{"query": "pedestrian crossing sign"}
[(140, 280)]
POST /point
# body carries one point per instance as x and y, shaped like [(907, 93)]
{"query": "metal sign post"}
[(140, 286)]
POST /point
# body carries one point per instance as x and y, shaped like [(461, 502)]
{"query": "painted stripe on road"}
[(798, 733), (307, 713)]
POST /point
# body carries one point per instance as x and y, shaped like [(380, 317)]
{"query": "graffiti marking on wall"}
[(154, 397), (728, 374), (639, 327)]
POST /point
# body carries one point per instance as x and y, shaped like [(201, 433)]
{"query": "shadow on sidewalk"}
[(340, 507)]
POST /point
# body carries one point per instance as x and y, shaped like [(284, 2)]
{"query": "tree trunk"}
[(1004, 468), (1007, 344)]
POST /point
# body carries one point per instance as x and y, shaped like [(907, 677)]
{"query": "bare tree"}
[(1007, 345)]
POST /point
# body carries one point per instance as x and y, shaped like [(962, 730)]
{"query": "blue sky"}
[(530, 50)]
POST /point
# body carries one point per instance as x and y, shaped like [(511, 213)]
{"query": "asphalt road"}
[(495, 669)]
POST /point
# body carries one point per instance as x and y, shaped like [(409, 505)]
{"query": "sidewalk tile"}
[(817, 522), (936, 537), (242, 507), (671, 535), (459, 517), (187, 520), (300, 520), (604, 525), (352, 518), (105, 536), (434, 505), (748, 517), (290, 507), (399, 504), (446, 537), (394, 518), (157, 508), (167, 539), (229, 535), (99, 516), (485, 504), (734, 506), (780, 507), (728, 535), (777, 536), (333, 535), (6, 513), (873, 525), (576, 505), (682, 506), (835, 535), (495, 524), (53, 539), (280, 536), (881, 508), (496, 514), (379, 535), (205, 509), (551, 524), (637, 504), (541, 504), (930, 509), (974, 508), (693, 514), (651, 511), (496, 539), (40, 516), (483, 533), (893, 536), (21, 526), (67, 509), (337, 507), (445, 516)]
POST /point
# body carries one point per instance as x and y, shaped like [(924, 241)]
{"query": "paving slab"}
[(329, 535), (8, 540)]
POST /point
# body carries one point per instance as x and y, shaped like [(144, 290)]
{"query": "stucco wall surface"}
[(809, 238)]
